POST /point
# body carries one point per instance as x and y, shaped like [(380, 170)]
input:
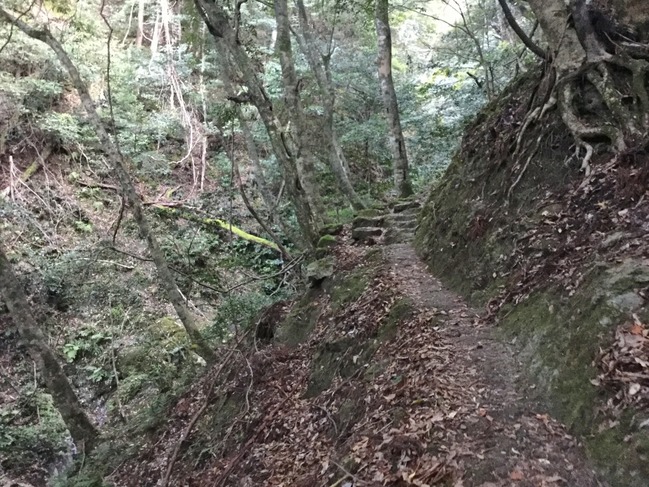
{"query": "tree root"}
[(522, 173), (579, 130), (536, 114), (585, 162)]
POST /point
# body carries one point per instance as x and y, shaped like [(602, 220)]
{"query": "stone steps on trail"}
[(402, 206), (393, 218), (397, 225), (395, 236)]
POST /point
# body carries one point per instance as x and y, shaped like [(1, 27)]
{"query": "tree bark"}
[(568, 53), (593, 46), (397, 143), (511, 20), (140, 24), (337, 160), (81, 429), (165, 275), (231, 51), (291, 89)]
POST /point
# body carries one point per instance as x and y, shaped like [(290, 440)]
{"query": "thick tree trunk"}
[(231, 51), (81, 429), (566, 49), (165, 275), (337, 160), (386, 83)]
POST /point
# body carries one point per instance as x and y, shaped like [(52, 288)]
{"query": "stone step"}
[(368, 221), (364, 234), (407, 224), (393, 235), (399, 217), (410, 211), (406, 205)]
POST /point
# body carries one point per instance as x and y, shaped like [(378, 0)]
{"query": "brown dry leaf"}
[(637, 329), (516, 475)]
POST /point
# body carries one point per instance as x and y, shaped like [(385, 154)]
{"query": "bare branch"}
[(529, 43)]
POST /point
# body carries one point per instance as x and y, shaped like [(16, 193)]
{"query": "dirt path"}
[(503, 439)]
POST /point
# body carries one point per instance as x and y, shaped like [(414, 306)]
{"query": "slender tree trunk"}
[(397, 143), (337, 160), (511, 21), (81, 429), (260, 177), (140, 24), (165, 275), (304, 159), (155, 37), (231, 51)]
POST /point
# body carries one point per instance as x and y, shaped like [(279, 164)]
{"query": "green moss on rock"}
[(326, 241), (400, 311), (301, 320), (559, 340)]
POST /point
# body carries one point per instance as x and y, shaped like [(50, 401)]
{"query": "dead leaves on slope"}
[(624, 367)]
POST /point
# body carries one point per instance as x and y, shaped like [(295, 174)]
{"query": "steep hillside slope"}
[(378, 375), (562, 261)]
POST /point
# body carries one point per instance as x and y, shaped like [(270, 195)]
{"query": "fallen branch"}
[(30, 171), (180, 211)]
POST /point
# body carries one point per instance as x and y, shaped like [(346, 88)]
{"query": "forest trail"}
[(502, 438), (396, 383)]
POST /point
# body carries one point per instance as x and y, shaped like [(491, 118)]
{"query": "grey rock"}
[(364, 234)]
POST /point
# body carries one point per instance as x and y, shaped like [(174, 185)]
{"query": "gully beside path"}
[(493, 435)]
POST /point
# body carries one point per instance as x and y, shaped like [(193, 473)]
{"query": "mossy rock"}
[(368, 221), (326, 241), (301, 320), (401, 310), (560, 338), (347, 288), (332, 229), (319, 270)]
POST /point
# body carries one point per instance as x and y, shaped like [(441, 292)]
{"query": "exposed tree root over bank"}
[(400, 383)]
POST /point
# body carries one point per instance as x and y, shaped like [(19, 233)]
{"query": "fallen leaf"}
[(516, 475), (634, 389), (636, 329)]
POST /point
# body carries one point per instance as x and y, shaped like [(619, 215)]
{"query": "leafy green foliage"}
[(85, 341), (31, 430)]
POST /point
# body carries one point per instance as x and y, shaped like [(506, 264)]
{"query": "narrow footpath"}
[(502, 439)]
